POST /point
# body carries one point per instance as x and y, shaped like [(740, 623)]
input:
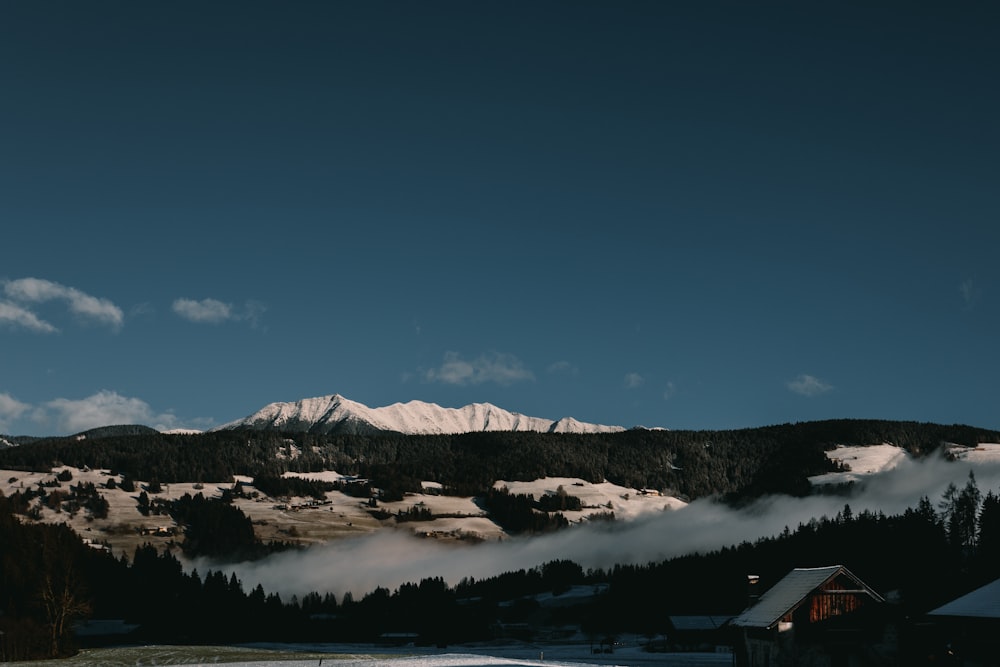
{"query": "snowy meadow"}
[(367, 656)]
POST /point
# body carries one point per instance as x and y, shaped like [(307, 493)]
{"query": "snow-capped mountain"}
[(336, 414)]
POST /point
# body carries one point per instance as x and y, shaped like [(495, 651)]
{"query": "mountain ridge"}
[(336, 414)]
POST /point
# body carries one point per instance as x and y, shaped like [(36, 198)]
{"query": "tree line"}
[(737, 464)]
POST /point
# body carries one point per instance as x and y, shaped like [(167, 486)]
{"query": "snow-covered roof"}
[(984, 602), (791, 591)]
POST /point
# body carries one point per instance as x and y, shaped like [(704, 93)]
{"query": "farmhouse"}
[(822, 616)]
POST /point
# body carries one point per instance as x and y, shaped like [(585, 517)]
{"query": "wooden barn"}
[(815, 617)]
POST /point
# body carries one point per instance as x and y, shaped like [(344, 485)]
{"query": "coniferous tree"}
[(988, 543), (143, 503), (964, 514)]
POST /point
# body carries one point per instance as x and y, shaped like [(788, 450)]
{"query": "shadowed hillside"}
[(736, 464)]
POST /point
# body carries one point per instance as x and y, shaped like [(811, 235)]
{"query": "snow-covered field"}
[(462, 516), (626, 503), (985, 452), (272, 655), (304, 521), (124, 528), (862, 462)]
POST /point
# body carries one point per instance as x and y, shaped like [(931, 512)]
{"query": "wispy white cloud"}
[(970, 293), (808, 385), (81, 304), (634, 380), (562, 368), (144, 309), (14, 315), (213, 311), (10, 408), (495, 367), (105, 408), (253, 311), (669, 391)]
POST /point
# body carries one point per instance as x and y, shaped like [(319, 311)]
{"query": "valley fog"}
[(390, 559)]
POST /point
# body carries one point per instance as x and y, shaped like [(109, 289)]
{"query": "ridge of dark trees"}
[(736, 464), (49, 579)]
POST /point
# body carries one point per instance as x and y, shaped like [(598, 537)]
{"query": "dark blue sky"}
[(700, 215)]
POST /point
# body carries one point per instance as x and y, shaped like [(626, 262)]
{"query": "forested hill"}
[(737, 463)]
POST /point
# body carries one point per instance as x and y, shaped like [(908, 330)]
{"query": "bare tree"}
[(63, 601)]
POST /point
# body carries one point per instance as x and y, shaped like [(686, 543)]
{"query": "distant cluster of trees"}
[(521, 513), (276, 486), (71, 499)]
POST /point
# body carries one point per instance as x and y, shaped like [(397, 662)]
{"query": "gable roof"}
[(791, 591), (984, 602)]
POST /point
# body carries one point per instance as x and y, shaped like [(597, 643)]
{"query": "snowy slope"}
[(336, 414), (861, 462), (984, 452)]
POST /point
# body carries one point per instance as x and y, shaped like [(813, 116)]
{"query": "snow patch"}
[(319, 476), (984, 452), (862, 462), (626, 503)]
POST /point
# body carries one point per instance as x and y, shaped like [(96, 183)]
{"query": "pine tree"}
[(988, 552), (962, 522)]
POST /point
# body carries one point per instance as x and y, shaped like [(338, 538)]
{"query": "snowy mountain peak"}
[(336, 414)]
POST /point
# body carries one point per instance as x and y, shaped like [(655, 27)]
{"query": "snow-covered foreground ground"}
[(340, 655)]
